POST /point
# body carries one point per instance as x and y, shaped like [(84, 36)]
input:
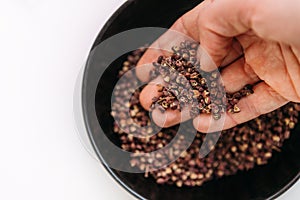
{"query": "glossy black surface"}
[(260, 183)]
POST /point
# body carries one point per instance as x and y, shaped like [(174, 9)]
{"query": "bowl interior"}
[(261, 182)]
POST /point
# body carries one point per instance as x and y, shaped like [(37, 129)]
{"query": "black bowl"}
[(263, 182)]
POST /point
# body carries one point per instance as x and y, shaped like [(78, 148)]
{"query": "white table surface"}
[(43, 45)]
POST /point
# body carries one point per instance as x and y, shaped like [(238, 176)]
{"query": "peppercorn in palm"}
[(188, 85)]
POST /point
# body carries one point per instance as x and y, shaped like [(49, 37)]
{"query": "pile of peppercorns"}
[(239, 148), (187, 85)]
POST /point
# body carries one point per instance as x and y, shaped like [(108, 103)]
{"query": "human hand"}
[(266, 32)]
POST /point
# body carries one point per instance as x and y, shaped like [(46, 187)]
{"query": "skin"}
[(265, 32)]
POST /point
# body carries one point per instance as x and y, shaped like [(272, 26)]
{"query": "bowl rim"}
[(89, 130), (84, 110)]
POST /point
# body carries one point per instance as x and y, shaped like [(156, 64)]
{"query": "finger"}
[(262, 101), (150, 91), (228, 54), (170, 117), (219, 23), (235, 53), (272, 64), (185, 28), (237, 75), (293, 69)]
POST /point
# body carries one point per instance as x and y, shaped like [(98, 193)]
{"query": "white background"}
[(43, 45)]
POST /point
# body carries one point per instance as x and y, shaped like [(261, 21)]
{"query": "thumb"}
[(218, 24), (212, 51)]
